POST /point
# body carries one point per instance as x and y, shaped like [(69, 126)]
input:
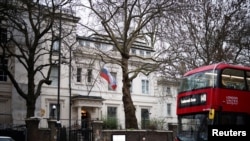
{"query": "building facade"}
[(78, 94)]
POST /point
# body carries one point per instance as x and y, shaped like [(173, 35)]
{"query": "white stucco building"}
[(84, 95), (92, 98)]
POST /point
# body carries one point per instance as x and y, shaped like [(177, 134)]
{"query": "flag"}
[(107, 76)]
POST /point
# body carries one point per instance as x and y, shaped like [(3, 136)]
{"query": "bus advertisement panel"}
[(212, 95)]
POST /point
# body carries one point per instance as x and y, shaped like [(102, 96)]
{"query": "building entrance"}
[(85, 119)]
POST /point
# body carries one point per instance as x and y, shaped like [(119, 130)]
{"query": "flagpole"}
[(59, 77), (95, 81)]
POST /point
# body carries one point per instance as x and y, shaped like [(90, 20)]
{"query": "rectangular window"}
[(81, 43), (133, 51), (55, 46), (87, 43), (131, 87), (98, 45), (3, 35), (79, 75), (84, 43), (54, 75), (53, 111), (112, 112), (3, 63), (169, 109), (145, 86), (167, 90), (104, 47), (89, 77), (233, 79), (141, 52), (144, 118), (248, 80), (5, 111), (112, 117)]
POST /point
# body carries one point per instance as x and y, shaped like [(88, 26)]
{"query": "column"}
[(79, 116), (97, 130)]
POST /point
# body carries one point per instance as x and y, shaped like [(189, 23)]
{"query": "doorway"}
[(85, 119)]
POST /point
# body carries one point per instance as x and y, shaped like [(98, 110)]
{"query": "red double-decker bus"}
[(217, 94)]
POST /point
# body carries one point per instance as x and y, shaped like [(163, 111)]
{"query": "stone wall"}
[(34, 133), (173, 127), (138, 135)]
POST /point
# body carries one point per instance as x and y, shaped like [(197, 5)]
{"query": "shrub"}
[(153, 124), (110, 123)]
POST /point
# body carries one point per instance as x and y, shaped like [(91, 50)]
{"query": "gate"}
[(81, 135)]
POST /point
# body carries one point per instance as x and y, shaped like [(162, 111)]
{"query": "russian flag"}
[(107, 76)]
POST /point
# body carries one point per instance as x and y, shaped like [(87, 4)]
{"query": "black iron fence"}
[(81, 135)]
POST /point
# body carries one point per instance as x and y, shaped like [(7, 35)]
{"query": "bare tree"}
[(205, 32), (31, 30), (124, 22)]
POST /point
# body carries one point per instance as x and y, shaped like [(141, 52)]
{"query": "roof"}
[(139, 44), (215, 67)]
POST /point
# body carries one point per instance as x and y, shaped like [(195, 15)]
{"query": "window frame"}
[(145, 86), (54, 75), (52, 111), (112, 112), (3, 74), (55, 45), (169, 109), (78, 75), (3, 35), (89, 75), (233, 79), (145, 118)]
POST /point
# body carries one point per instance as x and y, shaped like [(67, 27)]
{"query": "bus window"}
[(225, 120), (232, 119), (248, 79), (193, 127), (240, 120), (199, 80), (233, 79)]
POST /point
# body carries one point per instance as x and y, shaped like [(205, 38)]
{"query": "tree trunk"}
[(31, 99), (129, 108), (31, 106)]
